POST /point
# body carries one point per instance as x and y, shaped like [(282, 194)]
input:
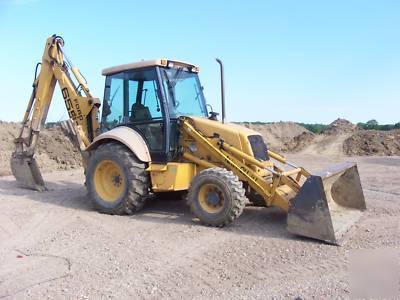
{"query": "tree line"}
[(369, 125), (374, 125)]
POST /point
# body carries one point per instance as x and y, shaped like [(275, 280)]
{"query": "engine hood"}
[(233, 134)]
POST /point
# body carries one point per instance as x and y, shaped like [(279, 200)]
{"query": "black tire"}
[(135, 179), (227, 187)]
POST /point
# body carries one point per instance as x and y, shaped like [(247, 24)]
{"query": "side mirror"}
[(212, 113)]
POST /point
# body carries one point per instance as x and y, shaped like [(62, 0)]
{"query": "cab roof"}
[(162, 62)]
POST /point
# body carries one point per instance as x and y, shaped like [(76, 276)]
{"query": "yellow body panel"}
[(171, 176), (234, 134)]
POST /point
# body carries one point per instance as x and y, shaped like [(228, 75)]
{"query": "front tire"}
[(216, 197), (116, 180)]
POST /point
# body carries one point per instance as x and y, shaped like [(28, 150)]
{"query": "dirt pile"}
[(341, 126), (373, 142), (341, 137), (330, 141), (54, 150), (283, 136)]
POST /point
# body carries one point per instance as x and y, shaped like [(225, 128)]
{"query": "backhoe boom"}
[(82, 110)]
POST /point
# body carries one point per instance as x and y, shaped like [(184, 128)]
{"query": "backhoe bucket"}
[(26, 172), (328, 204)]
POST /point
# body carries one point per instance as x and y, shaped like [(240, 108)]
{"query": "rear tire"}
[(116, 180), (216, 197)]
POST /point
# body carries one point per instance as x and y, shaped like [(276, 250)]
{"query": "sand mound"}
[(283, 136), (373, 142), (53, 152), (340, 126), (341, 137), (330, 141)]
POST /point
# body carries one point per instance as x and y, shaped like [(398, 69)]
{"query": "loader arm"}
[(276, 192), (82, 109)]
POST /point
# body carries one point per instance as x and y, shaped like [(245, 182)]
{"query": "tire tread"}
[(233, 185)]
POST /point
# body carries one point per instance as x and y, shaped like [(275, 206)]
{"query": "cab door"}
[(135, 100)]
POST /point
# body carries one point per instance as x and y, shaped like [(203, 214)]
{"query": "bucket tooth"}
[(26, 172), (328, 204)]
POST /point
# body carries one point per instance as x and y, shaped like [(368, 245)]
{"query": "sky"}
[(302, 61)]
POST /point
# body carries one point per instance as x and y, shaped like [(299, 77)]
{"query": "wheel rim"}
[(211, 198), (109, 180)]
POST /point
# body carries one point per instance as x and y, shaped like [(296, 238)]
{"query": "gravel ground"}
[(54, 246)]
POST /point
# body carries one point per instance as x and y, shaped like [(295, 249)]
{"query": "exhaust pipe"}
[(221, 65)]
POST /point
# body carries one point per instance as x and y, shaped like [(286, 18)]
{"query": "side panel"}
[(171, 176), (128, 137)]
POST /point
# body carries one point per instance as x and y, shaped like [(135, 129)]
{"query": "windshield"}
[(184, 93)]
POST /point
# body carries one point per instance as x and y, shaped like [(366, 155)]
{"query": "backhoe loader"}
[(156, 135)]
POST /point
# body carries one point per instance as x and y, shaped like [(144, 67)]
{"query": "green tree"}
[(372, 124)]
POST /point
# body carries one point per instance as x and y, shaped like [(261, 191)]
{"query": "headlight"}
[(258, 146)]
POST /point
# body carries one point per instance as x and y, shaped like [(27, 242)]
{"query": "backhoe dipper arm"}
[(82, 110)]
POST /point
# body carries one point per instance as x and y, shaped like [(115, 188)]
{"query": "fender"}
[(127, 136)]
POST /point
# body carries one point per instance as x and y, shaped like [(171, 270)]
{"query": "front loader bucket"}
[(26, 172), (328, 204)]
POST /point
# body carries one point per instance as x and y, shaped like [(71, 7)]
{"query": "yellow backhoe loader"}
[(156, 135)]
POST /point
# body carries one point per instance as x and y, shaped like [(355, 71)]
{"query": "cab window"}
[(144, 103), (113, 104), (132, 98)]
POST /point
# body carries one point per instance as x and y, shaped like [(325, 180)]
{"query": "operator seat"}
[(139, 112)]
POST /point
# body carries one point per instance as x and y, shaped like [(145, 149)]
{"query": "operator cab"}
[(149, 97)]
